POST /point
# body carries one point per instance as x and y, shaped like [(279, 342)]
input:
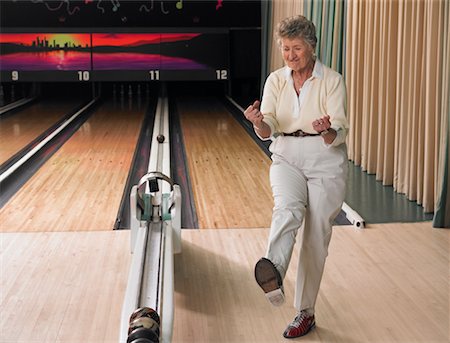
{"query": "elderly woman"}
[(303, 110)]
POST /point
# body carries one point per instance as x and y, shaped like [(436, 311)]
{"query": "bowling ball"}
[(160, 138), (145, 312), (142, 333), (144, 322), (143, 340)]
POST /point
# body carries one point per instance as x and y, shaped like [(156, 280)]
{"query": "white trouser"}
[(308, 184)]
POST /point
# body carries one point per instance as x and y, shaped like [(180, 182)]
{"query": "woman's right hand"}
[(254, 115)]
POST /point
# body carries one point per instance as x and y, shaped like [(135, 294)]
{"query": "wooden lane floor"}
[(229, 173), (20, 128), (386, 284), (62, 286), (81, 186)]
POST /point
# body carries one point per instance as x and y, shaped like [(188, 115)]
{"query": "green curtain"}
[(329, 19), (442, 214), (441, 217)]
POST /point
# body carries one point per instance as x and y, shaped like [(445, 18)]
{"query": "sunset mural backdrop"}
[(102, 51)]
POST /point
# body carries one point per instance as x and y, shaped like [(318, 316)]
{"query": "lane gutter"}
[(15, 105), (180, 169), (13, 178), (138, 165)]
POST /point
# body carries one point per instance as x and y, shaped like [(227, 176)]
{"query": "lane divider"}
[(15, 104)]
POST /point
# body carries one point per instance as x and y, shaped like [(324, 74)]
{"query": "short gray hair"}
[(297, 27)]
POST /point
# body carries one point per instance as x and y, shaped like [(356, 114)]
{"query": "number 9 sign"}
[(15, 75)]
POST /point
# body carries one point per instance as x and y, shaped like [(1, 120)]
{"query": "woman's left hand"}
[(322, 124)]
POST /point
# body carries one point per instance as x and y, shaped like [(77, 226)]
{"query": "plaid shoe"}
[(300, 326), (269, 279)]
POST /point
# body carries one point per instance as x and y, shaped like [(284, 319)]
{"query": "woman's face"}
[(297, 54)]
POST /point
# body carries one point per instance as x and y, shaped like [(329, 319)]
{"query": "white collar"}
[(316, 73)]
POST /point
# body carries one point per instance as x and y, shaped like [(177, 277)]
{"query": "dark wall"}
[(245, 64), (120, 13), (245, 55)]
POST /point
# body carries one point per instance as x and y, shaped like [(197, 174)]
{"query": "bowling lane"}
[(19, 129), (229, 172), (80, 187)]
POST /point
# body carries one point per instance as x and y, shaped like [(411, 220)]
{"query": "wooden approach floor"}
[(388, 283), (62, 286)]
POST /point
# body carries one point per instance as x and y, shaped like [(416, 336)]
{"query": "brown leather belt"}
[(300, 133)]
